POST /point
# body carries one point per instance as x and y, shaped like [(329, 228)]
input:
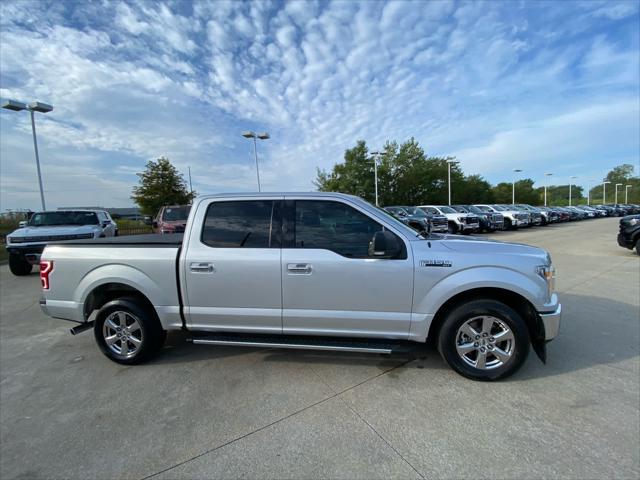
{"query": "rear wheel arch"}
[(510, 298), (107, 292)]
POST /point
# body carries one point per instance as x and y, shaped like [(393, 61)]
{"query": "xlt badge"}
[(435, 263)]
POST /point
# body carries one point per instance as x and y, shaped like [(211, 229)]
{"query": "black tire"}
[(507, 224), (150, 333), (477, 308), (452, 228), (19, 266)]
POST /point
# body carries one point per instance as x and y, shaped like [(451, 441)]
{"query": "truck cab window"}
[(241, 224), (333, 226)]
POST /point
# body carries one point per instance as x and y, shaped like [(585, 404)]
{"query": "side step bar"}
[(300, 343)]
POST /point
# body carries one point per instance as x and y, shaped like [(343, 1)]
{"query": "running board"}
[(300, 342)]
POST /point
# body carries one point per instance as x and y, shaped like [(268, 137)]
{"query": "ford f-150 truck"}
[(307, 271)]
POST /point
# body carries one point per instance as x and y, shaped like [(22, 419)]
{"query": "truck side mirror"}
[(384, 245)]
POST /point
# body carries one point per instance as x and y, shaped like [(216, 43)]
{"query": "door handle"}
[(201, 267), (299, 268)]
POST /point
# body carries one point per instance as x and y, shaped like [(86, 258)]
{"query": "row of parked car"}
[(465, 219)]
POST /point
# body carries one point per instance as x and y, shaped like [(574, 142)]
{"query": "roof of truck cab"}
[(278, 194)]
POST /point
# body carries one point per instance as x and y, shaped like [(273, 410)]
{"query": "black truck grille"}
[(52, 238)]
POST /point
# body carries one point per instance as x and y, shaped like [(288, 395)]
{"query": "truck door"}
[(330, 286), (232, 267)]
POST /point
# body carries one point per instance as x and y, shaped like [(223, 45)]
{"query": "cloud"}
[(490, 82)]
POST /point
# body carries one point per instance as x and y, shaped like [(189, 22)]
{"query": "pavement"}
[(217, 412)]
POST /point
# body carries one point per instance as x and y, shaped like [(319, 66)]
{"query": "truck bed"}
[(147, 240)]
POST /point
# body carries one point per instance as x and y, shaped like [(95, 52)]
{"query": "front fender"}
[(428, 302)]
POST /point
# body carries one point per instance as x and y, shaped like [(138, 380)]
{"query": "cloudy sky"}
[(541, 86)]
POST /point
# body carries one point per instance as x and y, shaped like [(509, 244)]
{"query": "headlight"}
[(9, 240), (632, 222), (548, 273), (461, 219)]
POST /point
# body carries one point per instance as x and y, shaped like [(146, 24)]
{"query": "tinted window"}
[(175, 214), (334, 226), (63, 218), (242, 224)]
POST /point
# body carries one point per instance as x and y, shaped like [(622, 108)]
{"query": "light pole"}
[(548, 175), (32, 107), (375, 156), (604, 191), (617, 185), (570, 178), (261, 136), (449, 162), (513, 187), (626, 194)]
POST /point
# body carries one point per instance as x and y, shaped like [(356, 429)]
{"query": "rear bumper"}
[(551, 322), (62, 309)]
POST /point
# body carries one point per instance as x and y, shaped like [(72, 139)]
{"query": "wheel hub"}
[(485, 342)]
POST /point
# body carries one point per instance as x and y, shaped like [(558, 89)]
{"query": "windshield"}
[(46, 219), (415, 211), (447, 210), (175, 214), (473, 209), (500, 208), (484, 208), (460, 209)]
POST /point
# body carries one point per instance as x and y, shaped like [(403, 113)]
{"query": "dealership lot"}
[(197, 411)]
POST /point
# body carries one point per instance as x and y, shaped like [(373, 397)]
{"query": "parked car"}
[(512, 218), (307, 271), (418, 219), (171, 219), (537, 217), (549, 215), (597, 212), (629, 232), (489, 222), (25, 245), (463, 223)]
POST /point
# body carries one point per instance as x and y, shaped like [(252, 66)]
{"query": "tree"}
[(160, 184), (525, 193), (621, 174)]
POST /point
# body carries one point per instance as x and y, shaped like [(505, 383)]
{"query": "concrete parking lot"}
[(213, 412)]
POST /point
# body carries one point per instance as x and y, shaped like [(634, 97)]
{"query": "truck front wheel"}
[(484, 340), (19, 266), (128, 331)]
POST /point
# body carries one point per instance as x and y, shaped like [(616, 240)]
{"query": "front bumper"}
[(31, 252), (625, 241), (551, 322), (469, 226)]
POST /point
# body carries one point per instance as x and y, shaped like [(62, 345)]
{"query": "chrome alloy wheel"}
[(485, 342), (122, 333)]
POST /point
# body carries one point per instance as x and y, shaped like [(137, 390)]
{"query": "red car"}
[(171, 219)]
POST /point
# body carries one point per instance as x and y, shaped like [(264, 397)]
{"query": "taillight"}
[(46, 267)]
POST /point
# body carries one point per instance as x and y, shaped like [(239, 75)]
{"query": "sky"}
[(542, 86)]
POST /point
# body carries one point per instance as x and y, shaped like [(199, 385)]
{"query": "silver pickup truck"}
[(308, 271)]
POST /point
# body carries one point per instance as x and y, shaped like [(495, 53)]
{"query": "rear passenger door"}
[(330, 286), (232, 270)]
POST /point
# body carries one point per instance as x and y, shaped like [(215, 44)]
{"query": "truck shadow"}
[(594, 331)]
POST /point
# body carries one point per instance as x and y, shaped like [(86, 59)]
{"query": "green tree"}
[(160, 184), (473, 189), (525, 193), (558, 195), (621, 174)]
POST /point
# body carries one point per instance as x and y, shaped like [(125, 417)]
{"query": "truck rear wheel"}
[(452, 227), (128, 331), (19, 266), (484, 340)]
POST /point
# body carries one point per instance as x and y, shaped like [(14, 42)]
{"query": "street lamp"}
[(513, 187), (32, 107), (548, 175), (617, 185), (570, 178), (626, 194), (261, 136), (604, 191), (449, 162), (375, 155)]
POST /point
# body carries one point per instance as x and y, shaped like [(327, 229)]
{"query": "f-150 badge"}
[(435, 263)]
